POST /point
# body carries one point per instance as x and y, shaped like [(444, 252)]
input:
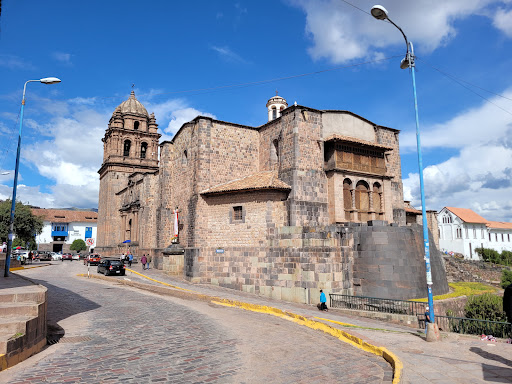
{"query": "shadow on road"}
[(494, 373)]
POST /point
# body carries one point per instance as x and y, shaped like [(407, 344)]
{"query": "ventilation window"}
[(136, 125), (184, 158)]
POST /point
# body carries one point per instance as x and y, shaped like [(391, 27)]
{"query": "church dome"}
[(132, 106)]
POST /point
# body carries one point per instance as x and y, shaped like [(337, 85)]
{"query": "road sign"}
[(89, 242)]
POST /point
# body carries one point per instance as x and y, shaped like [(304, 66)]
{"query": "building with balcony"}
[(61, 227)]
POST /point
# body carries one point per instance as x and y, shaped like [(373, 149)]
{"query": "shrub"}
[(485, 307), (506, 278), (463, 289)]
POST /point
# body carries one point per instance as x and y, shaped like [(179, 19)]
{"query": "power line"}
[(460, 82)]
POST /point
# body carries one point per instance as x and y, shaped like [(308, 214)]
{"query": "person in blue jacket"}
[(323, 300)]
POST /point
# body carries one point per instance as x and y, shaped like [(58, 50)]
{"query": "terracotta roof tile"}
[(65, 216), (257, 181), (335, 137), (467, 215), (499, 225)]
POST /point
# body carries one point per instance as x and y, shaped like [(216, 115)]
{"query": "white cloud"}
[(64, 58), (227, 54), (479, 124), (341, 33), (15, 62), (501, 21)]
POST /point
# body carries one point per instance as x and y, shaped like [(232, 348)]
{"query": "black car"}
[(111, 267)]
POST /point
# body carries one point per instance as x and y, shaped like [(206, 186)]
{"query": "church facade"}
[(275, 209)]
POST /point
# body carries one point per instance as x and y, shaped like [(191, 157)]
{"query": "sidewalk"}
[(455, 359)]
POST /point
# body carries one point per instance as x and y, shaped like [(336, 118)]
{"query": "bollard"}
[(433, 332)]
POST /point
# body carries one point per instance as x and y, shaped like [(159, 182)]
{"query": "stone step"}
[(22, 294), (14, 309), (12, 325)]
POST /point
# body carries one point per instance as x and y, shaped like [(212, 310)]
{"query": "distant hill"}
[(69, 209)]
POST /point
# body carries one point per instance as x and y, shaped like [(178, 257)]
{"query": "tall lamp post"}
[(380, 13), (46, 80)]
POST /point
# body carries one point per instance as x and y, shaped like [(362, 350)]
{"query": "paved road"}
[(114, 333)]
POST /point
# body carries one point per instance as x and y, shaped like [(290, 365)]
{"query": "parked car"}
[(56, 256), (45, 256), (76, 257), (67, 256), (92, 259), (111, 266)]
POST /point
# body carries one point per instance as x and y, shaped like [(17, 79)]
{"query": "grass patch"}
[(463, 289), (16, 335)]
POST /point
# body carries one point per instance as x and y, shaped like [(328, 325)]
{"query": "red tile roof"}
[(467, 215), (257, 181), (65, 216), (499, 225)]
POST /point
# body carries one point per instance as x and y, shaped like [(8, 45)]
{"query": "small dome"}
[(132, 106), (277, 100)]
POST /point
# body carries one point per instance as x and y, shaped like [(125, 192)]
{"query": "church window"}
[(274, 113), (126, 148), (508, 237), (474, 233), (502, 237), (136, 125), (237, 213), (362, 200), (459, 233), (347, 195), (143, 150), (467, 234), (377, 197), (483, 234), (496, 235), (184, 158), (490, 237)]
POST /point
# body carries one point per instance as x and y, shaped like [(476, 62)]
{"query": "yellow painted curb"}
[(298, 319), (160, 282), (338, 333)]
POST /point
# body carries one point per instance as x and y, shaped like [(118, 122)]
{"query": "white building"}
[(61, 227), (461, 230)]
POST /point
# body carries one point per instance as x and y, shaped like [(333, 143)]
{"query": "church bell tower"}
[(130, 145)]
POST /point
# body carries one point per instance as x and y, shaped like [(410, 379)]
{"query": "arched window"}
[(362, 200), (274, 113), (136, 125), (143, 150), (377, 203), (347, 196), (184, 158), (126, 148)]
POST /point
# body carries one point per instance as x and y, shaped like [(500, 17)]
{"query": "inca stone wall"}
[(376, 260)]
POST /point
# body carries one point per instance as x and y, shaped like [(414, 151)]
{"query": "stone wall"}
[(376, 260)]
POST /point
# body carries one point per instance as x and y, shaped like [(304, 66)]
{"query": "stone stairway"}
[(22, 319)]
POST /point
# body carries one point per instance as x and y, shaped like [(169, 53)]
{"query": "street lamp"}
[(46, 80), (380, 13)]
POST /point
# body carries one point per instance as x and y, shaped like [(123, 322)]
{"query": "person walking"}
[(144, 261), (130, 259), (323, 300), (149, 261)]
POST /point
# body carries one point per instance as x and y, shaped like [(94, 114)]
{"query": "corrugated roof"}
[(499, 225), (65, 216), (336, 137), (257, 181), (467, 215), (412, 210)]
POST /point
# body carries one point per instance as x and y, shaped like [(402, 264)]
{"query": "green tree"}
[(78, 245), (26, 225), (485, 307), (506, 278), (17, 242)]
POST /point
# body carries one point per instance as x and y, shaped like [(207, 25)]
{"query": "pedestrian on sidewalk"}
[(323, 300), (427, 318), (149, 261), (130, 259), (143, 261)]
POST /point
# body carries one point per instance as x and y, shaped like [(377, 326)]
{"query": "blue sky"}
[(217, 58)]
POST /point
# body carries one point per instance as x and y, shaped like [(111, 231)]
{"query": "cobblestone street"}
[(115, 333)]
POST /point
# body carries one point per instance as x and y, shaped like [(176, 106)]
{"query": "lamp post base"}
[(433, 332)]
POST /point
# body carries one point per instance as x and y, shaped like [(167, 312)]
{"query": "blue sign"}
[(219, 250)]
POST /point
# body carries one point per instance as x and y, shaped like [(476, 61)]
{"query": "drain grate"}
[(73, 339)]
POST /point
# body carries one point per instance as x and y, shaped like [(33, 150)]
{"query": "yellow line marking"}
[(160, 282)]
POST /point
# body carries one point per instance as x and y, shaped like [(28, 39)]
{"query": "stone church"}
[(310, 200)]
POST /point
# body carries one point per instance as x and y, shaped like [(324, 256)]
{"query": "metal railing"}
[(376, 304), (415, 308), (472, 326)]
